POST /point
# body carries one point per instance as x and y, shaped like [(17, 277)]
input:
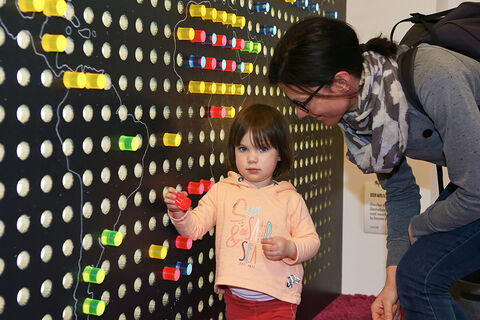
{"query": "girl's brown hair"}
[(268, 128)]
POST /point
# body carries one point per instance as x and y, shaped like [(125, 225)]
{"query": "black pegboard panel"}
[(63, 179)]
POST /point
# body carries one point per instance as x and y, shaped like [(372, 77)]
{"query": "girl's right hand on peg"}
[(169, 199)]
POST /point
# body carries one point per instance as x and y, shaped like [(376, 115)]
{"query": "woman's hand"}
[(387, 306), (169, 200), (410, 237), (277, 248)]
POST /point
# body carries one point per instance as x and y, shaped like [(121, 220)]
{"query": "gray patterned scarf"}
[(376, 133)]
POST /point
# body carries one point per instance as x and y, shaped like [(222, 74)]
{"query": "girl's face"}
[(328, 106), (256, 165)]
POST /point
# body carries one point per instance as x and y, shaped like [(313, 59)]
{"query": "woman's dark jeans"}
[(430, 267)]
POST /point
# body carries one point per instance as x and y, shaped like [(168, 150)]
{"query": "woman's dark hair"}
[(313, 50), (268, 128)]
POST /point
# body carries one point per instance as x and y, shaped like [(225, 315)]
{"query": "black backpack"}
[(457, 29)]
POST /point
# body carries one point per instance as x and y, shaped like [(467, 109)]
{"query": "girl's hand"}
[(387, 306), (277, 248), (169, 199)]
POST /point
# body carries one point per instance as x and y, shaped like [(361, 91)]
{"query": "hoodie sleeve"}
[(303, 233), (198, 221)]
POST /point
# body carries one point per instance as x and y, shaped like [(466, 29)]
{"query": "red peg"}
[(207, 184), (240, 45), (211, 63), (172, 274), (221, 41), (183, 243), (200, 36), (182, 202), (216, 112), (231, 65), (195, 188)]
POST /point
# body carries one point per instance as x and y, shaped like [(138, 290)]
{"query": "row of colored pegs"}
[(304, 4), (220, 40), (221, 112), (210, 63), (131, 143), (199, 187), (215, 88), (50, 8), (212, 14), (81, 80)]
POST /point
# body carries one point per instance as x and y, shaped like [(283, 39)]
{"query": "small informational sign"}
[(375, 215)]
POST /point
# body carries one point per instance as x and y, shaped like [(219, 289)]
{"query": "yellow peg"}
[(220, 88), (210, 87), (55, 8), (95, 81), (75, 80), (54, 42), (172, 139), (197, 10), (221, 16), (248, 67), (231, 19), (196, 87), (239, 89), (31, 5), (210, 14), (185, 33), (229, 112), (240, 22), (157, 252), (230, 88)]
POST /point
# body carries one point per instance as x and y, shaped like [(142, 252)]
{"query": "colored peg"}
[(196, 86), (54, 42), (195, 188), (31, 5), (301, 3), (229, 112), (240, 44), (95, 81), (197, 10), (221, 65), (211, 38), (93, 275), (231, 19), (210, 63), (314, 7), (157, 252), (75, 80), (55, 8), (93, 307), (172, 139), (248, 46), (172, 274), (221, 41), (182, 201), (221, 88), (231, 65), (239, 89), (230, 88), (261, 7), (210, 14), (128, 143), (183, 243), (290, 1), (248, 67), (111, 238), (184, 267), (200, 36), (210, 87), (216, 112), (240, 22), (185, 33), (240, 67), (331, 14), (221, 16), (231, 42), (257, 47), (207, 184), (197, 62), (268, 30)]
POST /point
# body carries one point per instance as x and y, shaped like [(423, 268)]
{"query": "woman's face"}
[(328, 106)]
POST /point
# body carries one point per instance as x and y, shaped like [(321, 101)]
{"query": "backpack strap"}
[(405, 74)]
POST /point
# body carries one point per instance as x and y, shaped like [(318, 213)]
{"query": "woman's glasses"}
[(303, 105)]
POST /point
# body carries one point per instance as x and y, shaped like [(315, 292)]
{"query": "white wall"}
[(364, 254)]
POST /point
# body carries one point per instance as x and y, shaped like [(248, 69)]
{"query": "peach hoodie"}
[(243, 215)]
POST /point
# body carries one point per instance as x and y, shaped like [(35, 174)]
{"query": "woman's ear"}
[(342, 82)]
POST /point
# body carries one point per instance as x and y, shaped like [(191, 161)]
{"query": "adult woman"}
[(328, 75)]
